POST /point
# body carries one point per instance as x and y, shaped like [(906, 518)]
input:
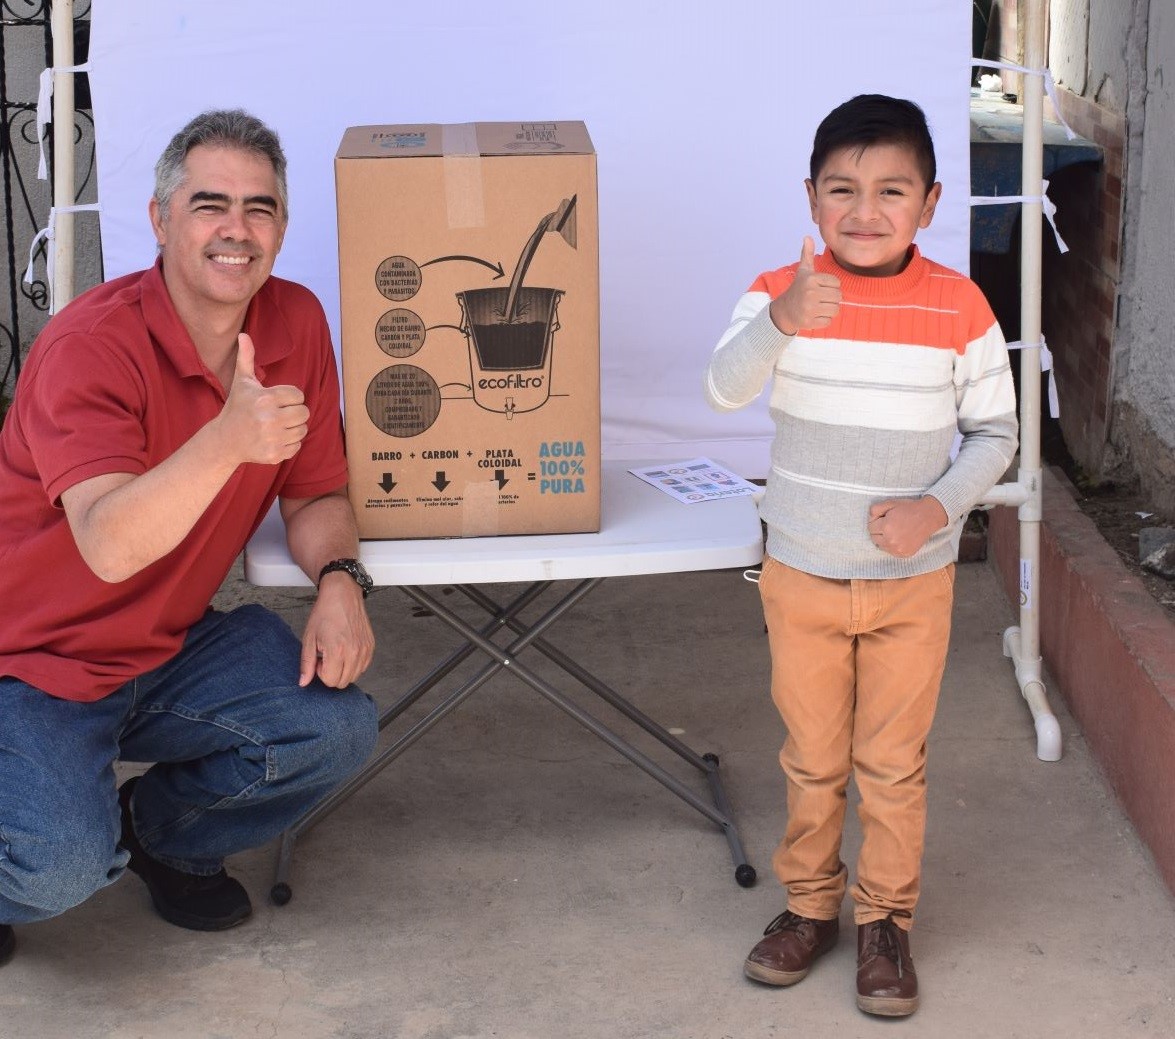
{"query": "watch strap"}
[(348, 566)]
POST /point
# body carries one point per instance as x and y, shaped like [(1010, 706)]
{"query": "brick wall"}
[(1080, 288)]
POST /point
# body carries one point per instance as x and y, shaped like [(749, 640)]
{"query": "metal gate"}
[(26, 47)]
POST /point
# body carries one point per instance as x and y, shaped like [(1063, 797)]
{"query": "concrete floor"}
[(510, 876)]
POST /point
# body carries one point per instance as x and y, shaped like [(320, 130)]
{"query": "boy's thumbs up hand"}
[(808, 254), (263, 424), (811, 301)]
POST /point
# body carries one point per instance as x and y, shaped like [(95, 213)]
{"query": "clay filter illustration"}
[(512, 329)]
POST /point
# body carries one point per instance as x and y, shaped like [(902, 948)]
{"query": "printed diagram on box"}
[(509, 333)]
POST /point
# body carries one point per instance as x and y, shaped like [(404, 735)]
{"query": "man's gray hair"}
[(232, 128)]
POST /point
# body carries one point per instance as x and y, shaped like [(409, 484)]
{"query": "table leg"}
[(281, 892), (586, 678), (503, 659), (721, 815), (502, 615)]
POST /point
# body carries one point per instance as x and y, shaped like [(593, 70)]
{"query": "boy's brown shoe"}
[(7, 943), (789, 946), (886, 982)]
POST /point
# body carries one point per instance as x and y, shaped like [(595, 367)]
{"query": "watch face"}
[(362, 576), (353, 567)]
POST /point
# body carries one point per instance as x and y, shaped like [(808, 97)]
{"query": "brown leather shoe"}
[(886, 982), (789, 946)]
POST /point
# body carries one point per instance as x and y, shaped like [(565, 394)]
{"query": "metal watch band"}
[(352, 567)]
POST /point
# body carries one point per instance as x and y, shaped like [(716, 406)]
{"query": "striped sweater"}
[(867, 409)]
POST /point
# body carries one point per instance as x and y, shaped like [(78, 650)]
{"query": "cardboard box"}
[(469, 284)]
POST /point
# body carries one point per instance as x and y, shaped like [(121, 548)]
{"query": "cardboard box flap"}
[(568, 138), (430, 140)]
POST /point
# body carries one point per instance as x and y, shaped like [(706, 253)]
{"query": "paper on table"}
[(694, 480)]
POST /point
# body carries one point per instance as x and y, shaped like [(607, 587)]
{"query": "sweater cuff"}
[(763, 339), (955, 499)]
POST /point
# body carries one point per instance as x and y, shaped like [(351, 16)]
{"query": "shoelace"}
[(885, 942), (786, 921)]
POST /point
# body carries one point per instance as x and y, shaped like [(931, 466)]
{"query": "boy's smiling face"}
[(869, 203)]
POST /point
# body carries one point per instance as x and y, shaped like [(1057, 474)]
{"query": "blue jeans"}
[(241, 752)]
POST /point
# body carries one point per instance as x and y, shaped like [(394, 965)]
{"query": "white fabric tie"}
[(45, 110), (1050, 85), (1046, 366), (1046, 204), (48, 234)]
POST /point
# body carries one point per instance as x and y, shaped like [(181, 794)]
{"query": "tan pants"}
[(855, 672)]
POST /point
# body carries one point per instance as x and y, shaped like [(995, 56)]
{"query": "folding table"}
[(643, 531)]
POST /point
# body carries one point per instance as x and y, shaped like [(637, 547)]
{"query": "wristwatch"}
[(353, 567)]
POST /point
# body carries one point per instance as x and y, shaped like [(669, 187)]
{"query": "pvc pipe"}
[(1006, 494), (64, 179), (1032, 177), (1028, 676), (1032, 182), (1024, 642)]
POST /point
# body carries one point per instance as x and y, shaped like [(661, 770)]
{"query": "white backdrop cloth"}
[(702, 116)]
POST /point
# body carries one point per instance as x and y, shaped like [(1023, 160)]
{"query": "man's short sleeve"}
[(320, 466), (83, 415)]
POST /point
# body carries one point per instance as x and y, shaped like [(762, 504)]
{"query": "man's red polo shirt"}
[(114, 385)]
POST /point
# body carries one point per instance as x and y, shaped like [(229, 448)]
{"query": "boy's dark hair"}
[(869, 119)]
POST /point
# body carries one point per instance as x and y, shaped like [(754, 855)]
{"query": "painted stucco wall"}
[(1120, 54), (1143, 434)]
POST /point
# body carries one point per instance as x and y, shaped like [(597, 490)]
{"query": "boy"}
[(876, 356)]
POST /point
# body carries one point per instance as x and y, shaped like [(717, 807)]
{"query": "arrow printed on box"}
[(440, 483), (501, 479), (387, 483), (470, 259)]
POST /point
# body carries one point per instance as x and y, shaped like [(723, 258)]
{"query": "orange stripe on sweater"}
[(947, 313)]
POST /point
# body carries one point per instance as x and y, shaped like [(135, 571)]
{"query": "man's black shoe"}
[(213, 903), (7, 943)]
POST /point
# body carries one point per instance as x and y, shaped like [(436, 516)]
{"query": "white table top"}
[(643, 531)]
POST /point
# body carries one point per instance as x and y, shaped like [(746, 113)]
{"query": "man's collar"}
[(263, 321)]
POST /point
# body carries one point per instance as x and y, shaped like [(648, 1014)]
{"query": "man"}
[(157, 419)]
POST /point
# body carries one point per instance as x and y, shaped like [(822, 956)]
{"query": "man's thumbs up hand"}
[(245, 356), (812, 300), (265, 424)]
